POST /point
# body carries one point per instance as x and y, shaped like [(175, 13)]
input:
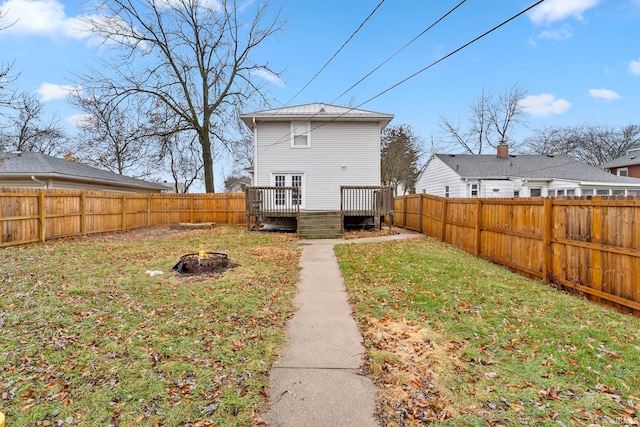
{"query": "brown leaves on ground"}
[(404, 356)]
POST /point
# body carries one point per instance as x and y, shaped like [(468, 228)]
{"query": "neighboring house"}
[(37, 170), (504, 175), (627, 165), (315, 149)]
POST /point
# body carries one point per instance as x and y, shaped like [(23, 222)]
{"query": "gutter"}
[(44, 184)]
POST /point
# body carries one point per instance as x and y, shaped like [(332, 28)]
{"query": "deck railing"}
[(263, 202), (371, 200)]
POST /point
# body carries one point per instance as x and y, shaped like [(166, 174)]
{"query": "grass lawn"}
[(90, 339), (454, 340)]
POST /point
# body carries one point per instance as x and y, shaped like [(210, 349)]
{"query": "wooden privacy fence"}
[(588, 244), (37, 215)]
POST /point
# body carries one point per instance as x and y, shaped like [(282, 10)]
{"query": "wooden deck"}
[(281, 205)]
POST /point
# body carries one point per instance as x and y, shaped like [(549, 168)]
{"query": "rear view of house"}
[(315, 158)]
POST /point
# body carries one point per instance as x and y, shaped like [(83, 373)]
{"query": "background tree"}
[(401, 154), (180, 154), (25, 129), (193, 57), (491, 121), (242, 152), (116, 136), (592, 144)]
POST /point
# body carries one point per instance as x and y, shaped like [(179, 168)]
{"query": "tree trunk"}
[(207, 161)]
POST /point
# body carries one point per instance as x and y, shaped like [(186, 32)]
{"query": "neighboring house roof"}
[(631, 158), (27, 164), (529, 166), (316, 111)]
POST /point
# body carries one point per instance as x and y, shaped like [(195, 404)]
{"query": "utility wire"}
[(449, 54), (398, 51), (416, 73), (335, 54)]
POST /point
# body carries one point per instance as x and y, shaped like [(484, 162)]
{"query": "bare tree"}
[(592, 144), (25, 129), (7, 93), (116, 136), (193, 57), (180, 153), (401, 154), (242, 151), (490, 122)]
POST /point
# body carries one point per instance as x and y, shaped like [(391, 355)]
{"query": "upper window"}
[(300, 134), (446, 191), (623, 171)]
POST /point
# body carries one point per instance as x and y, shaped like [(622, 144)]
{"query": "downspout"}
[(44, 184)]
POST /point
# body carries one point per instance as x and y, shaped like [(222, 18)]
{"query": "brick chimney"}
[(503, 150)]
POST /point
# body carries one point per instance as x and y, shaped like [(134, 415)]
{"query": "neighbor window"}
[(536, 192), (602, 191), (474, 190), (300, 134), (623, 172), (571, 192), (446, 191), (618, 192)]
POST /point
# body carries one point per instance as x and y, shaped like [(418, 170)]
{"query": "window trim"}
[(295, 127)]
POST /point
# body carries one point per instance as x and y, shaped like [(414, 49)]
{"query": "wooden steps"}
[(320, 225)]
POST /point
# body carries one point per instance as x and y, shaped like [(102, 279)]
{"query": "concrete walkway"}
[(317, 381)]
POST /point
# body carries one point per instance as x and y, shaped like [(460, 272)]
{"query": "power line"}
[(399, 50), (335, 54), (416, 73), (449, 54)]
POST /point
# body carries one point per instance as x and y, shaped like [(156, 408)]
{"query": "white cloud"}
[(634, 67), (50, 91), (79, 119), (40, 17), (544, 104), (557, 10), (270, 77), (558, 35), (604, 94)]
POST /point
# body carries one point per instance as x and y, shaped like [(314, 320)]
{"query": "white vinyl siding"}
[(434, 178), (342, 153)]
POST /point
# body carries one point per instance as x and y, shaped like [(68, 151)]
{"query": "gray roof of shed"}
[(316, 111), (529, 166), (21, 164)]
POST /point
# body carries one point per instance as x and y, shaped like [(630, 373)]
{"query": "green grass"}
[(89, 339), (475, 344)]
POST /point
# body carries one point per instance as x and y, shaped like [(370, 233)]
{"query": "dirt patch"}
[(409, 361), (361, 234)]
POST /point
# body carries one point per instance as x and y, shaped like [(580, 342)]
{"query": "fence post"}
[(41, 215), (421, 211), (83, 214), (148, 210), (443, 229), (596, 238), (547, 228), (478, 226), (191, 206), (404, 211), (124, 213)]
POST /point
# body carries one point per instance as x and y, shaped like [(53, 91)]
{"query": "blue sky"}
[(579, 60)]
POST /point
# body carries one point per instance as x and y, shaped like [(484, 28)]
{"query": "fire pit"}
[(203, 263)]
